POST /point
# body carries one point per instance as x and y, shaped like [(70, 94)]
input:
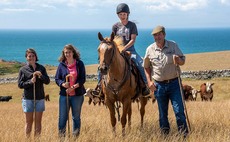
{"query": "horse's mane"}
[(118, 41)]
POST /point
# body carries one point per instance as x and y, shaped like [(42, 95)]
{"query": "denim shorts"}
[(28, 105)]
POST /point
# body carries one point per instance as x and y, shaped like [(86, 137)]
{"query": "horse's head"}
[(106, 51)]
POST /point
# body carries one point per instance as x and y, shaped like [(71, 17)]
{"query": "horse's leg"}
[(143, 101), (112, 115), (126, 107), (129, 116)]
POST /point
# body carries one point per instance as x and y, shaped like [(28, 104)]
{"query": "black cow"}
[(47, 97), (5, 98)]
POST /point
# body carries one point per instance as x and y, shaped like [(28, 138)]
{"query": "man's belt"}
[(167, 81)]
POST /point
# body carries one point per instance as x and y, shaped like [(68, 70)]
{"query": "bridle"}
[(127, 71), (113, 52)]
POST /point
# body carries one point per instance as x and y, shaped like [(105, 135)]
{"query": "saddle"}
[(135, 72)]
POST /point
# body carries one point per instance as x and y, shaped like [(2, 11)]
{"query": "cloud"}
[(158, 7), (48, 6), (17, 10), (227, 2), (164, 5), (5, 2), (188, 5), (72, 3)]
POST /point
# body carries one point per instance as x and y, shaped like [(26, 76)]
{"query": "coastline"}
[(194, 62)]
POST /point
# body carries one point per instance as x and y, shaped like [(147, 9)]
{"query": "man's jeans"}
[(164, 93)]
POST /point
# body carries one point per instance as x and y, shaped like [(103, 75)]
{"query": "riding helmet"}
[(123, 7)]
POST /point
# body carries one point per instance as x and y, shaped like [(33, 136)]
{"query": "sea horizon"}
[(214, 27), (49, 43)]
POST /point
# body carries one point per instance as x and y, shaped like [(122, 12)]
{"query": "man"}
[(161, 63)]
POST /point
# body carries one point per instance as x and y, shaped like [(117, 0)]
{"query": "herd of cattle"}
[(190, 93), (206, 92)]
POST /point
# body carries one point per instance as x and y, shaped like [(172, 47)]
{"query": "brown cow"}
[(187, 92), (206, 91)]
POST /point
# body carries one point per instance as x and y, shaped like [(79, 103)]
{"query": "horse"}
[(119, 84)]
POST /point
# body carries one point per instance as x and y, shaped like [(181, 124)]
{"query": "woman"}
[(71, 89), (33, 76)]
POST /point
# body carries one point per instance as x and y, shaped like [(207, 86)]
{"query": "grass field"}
[(209, 120)]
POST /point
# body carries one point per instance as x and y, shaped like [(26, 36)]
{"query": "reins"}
[(116, 90), (122, 82)]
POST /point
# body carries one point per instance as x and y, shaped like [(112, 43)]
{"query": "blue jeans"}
[(164, 93), (75, 103), (139, 62)]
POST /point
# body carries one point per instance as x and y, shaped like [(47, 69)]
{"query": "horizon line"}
[(108, 28)]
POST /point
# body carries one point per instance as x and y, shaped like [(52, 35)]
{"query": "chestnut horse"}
[(118, 82)]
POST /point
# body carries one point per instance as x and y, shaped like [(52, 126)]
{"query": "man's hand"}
[(177, 60), (152, 86)]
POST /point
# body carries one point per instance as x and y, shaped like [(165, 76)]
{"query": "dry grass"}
[(207, 61), (209, 120), (207, 124)]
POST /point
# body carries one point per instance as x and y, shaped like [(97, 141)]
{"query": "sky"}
[(101, 14)]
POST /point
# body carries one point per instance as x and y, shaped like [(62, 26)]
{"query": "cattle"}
[(194, 94), (187, 89), (47, 97), (190, 93), (206, 91), (5, 98)]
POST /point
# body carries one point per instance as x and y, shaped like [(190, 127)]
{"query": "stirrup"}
[(146, 96), (96, 93), (145, 92)]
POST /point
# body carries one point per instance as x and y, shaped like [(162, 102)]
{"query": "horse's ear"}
[(112, 36), (100, 37)]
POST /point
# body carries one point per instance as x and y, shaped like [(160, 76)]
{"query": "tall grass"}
[(209, 120)]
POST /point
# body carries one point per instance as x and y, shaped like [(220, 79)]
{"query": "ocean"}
[(49, 43)]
